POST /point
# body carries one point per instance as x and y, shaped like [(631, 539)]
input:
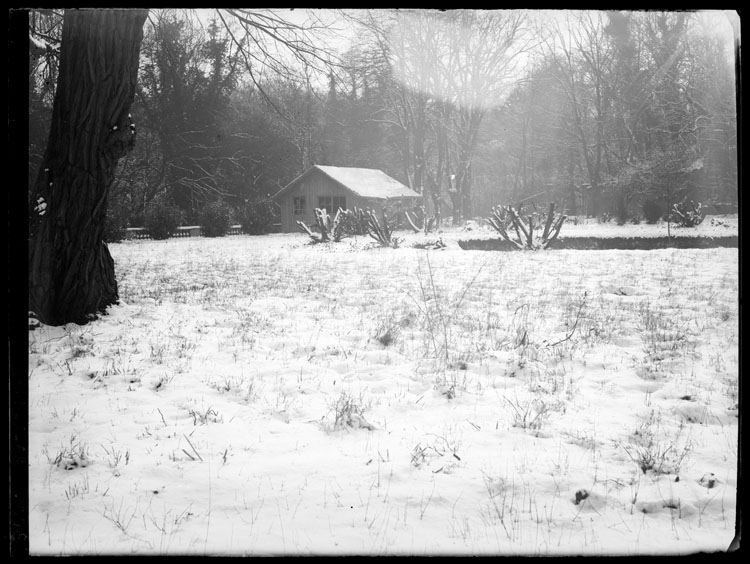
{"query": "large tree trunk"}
[(71, 272)]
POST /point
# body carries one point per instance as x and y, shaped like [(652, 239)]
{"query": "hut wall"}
[(312, 189)]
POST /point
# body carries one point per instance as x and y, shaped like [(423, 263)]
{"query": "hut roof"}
[(365, 182)]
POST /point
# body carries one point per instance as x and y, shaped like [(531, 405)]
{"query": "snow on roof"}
[(365, 182)]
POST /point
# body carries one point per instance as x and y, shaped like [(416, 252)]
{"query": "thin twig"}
[(578, 316), (191, 446)]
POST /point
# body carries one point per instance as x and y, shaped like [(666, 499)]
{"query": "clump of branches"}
[(434, 244), (688, 214), (381, 231), (418, 217), (533, 231), (356, 221), (329, 229)]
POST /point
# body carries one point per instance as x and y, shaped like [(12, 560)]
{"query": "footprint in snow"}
[(588, 501)]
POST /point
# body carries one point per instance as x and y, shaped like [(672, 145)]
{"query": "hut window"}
[(299, 205), (332, 203)]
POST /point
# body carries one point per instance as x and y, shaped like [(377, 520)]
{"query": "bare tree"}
[(582, 60), (298, 108), (448, 69), (398, 51), (271, 45), (484, 53)]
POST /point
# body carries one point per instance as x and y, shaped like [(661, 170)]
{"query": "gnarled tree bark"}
[(71, 272)]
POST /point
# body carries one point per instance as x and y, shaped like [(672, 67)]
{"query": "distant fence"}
[(184, 231)]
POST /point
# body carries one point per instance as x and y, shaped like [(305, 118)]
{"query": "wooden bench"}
[(183, 231)]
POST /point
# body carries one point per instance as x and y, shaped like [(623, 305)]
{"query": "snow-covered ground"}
[(256, 395)]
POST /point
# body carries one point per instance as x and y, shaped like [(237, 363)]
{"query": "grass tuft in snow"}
[(116, 458), (348, 413), (531, 413), (204, 417), (73, 455), (77, 488), (653, 448), (442, 450)]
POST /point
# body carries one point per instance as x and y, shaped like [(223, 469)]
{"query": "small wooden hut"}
[(333, 187)]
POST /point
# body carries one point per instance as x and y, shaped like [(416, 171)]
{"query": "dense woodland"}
[(599, 110)]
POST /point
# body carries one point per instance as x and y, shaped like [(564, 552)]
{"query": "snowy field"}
[(259, 395)]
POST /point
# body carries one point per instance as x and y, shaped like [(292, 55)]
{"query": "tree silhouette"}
[(71, 272)]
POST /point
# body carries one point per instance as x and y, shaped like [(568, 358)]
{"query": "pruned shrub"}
[(622, 213), (329, 229), (256, 216), (215, 219), (381, 231), (419, 220), (116, 223), (356, 221), (350, 222), (162, 220), (651, 211), (533, 231), (687, 213)]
